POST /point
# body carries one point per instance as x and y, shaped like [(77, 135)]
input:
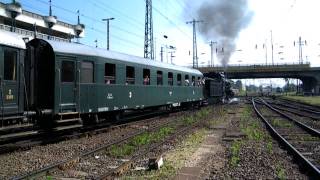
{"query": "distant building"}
[(14, 18)]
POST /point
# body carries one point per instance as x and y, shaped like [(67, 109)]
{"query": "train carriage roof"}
[(12, 40), (80, 49)]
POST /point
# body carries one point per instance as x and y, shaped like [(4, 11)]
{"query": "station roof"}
[(12, 40), (27, 20)]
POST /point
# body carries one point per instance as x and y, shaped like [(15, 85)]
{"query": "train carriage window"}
[(179, 80), (10, 65), (159, 78), (170, 78), (146, 76), (193, 81), (186, 80), (199, 83), (87, 72), (110, 73), (67, 71), (129, 75)]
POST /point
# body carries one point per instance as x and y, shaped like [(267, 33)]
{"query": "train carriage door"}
[(9, 80), (68, 84)]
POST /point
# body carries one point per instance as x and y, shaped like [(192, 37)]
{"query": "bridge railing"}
[(305, 64), (259, 67)]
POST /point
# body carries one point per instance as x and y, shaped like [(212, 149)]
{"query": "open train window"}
[(159, 78), (10, 65), (146, 76), (179, 79), (129, 75), (186, 80), (170, 78), (109, 73), (199, 82), (67, 71), (193, 81), (87, 72)]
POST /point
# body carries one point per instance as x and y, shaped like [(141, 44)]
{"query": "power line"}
[(170, 21), (187, 6), (91, 28), (134, 22), (91, 18)]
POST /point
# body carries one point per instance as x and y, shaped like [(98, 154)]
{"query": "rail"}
[(315, 171), (43, 171)]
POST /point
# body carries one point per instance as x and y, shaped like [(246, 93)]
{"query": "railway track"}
[(125, 166), (313, 109), (61, 165), (41, 137), (302, 141)]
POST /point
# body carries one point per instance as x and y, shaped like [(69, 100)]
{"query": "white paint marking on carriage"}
[(110, 96), (103, 109)]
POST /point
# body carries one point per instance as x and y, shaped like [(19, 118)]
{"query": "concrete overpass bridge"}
[(310, 76)]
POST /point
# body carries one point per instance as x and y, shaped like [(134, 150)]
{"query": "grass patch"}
[(253, 131), (250, 126), (235, 153), (281, 173), (121, 151), (49, 178), (269, 147), (314, 100), (173, 160), (203, 113), (309, 138), (140, 140), (189, 120), (163, 132), (200, 115), (281, 123)]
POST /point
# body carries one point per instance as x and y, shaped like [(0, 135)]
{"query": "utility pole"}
[(265, 47), (195, 53), (211, 46), (300, 44), (173, 49), (148, 34), (161, 53), (271, 47), (96, 41), (108, 23)]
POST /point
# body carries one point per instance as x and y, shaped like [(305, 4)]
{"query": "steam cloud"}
[(223, 21)]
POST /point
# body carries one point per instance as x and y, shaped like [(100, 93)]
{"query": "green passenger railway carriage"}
[(51, 85), (64, 79)]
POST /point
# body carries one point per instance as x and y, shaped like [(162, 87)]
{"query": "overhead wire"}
[(133, 20), (87, 26), (91, 18)]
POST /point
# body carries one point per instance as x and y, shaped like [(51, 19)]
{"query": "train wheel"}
[(117, 116)]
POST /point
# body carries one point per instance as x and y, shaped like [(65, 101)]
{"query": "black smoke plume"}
[(223, 21)]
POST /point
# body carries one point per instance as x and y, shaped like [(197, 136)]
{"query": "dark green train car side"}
[(69, 77), (12, 51)]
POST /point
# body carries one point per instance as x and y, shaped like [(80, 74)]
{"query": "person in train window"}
[(146, 80)]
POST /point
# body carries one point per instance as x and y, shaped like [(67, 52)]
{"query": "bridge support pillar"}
[(317, 89), (310, 85)]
